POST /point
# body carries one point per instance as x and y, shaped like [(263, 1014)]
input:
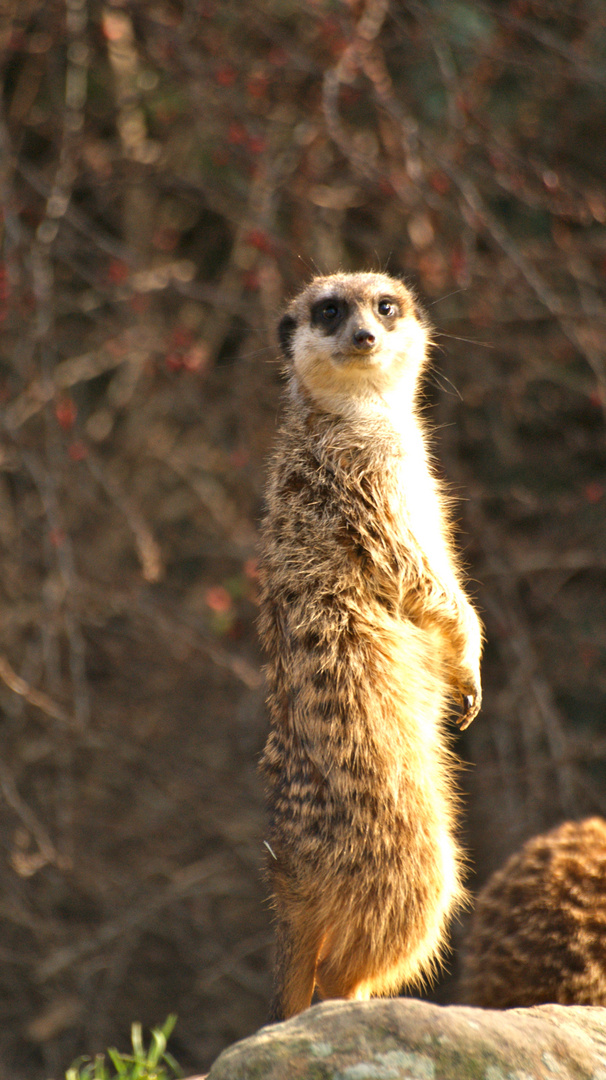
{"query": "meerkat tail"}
[(298, 947)]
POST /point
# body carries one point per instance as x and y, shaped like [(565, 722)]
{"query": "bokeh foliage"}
[(169, 174)]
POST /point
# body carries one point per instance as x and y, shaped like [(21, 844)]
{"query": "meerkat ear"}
[(286, 329)]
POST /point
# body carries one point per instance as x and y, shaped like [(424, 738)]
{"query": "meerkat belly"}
[(380, 844), (359, 721)]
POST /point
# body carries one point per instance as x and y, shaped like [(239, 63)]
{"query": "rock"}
[(405, 1039)]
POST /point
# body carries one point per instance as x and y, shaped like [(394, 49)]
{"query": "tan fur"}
[(539, 930), (371, 642)]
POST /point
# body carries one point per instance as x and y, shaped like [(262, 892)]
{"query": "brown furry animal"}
[(371, 642), (539, 929)]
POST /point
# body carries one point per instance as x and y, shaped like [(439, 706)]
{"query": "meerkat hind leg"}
[(336, 983)]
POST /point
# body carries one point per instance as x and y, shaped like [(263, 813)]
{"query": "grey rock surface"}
[(405, 1039)]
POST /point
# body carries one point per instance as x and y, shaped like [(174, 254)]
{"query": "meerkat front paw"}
[(472, 702)]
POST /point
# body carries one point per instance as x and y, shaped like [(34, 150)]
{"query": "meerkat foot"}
[(333, 982)]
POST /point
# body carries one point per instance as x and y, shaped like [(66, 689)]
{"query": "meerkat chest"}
[(406, 494), (413, 504)]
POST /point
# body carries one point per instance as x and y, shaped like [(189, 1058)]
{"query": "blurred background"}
[(171, 171)]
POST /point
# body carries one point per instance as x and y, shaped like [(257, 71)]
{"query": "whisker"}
[(310, 265), (470, 341), (455, 292), (254, 353), (436, 376)]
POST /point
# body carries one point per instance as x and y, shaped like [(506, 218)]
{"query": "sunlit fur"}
[(539, 930), (371, 641)]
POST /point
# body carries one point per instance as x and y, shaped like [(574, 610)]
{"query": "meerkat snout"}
[(364, 339)]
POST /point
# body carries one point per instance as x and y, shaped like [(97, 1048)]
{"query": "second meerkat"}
[(372, 642)]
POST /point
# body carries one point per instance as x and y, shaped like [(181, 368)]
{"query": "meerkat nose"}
[(363, 339)]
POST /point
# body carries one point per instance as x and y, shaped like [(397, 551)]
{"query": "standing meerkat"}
[(371, 643), (538, 934)]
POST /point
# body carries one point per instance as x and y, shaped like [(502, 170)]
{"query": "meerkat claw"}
[(468, 712)]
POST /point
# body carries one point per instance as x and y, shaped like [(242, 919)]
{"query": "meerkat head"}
[(354, 341)]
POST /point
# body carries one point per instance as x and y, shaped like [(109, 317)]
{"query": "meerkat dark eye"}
[(387, 308), (328, 313)]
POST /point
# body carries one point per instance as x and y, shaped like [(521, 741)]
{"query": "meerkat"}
[(538, 934), (372, 642)]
